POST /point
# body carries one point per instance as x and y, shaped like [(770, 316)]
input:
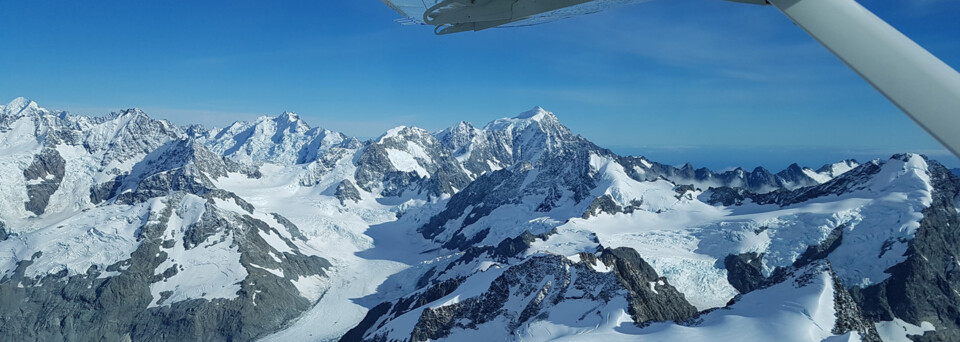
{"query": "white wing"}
[(451, 16)]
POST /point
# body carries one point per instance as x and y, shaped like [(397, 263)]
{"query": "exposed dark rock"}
[(211, 223), (822, 250), (103, 191), (848, 313), (460, 241), (568, 169), (684, 189), (228, 196), (546, 280), (550, 200), (602, 204), (521, 280), (180, 165), (509, 248), (479, 196), (760, 180), (436, 290), (48, 167), (346, 191), (745, 271), (292, 228), (375, 171), (666, 304), (356, 333)]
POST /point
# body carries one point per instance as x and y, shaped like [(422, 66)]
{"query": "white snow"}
[(18, 145), (406, 162), (339, 234), (391, 133), (276, 242), (818, 177), (276, 272), (311, 287), (898, 330)]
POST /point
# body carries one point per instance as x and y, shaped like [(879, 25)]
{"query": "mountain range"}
[(125, 227)]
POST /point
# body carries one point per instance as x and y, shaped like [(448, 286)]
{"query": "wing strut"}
[(923, 86)]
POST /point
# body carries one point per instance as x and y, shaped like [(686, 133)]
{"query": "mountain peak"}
[(535, 117), (536, 114), (289, 116), (126, 114), (403, 133), (291, 122), (19, 106), (390, 133), (838, 168), (19, 102), (132, 112)]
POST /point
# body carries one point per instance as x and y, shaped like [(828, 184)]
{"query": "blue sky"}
[(716, 83)]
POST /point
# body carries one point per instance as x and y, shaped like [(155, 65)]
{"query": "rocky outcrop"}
[(849, 315), (408, 160), (346, 191), (607, 205), (43, 179), (651, 297), (534, 285), (479, 197), (823, 249), (745, 271)]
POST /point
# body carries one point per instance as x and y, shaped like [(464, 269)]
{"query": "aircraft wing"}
[(450, 16)]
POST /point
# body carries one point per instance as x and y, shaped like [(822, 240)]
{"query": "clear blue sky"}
[(716, 83)]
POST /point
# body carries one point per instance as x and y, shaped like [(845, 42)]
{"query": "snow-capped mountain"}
[(124, 227), (284, 139)]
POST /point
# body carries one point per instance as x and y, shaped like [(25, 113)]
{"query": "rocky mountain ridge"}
[(274, 230)]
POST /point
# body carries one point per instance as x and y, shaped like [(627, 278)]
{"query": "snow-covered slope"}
[(122, 213), (126, 227)]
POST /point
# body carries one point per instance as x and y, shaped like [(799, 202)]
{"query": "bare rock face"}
[(656, 303), (745, 271), (409, 161), (346, 191), (849, 315), (543, 282), (43, 176)]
